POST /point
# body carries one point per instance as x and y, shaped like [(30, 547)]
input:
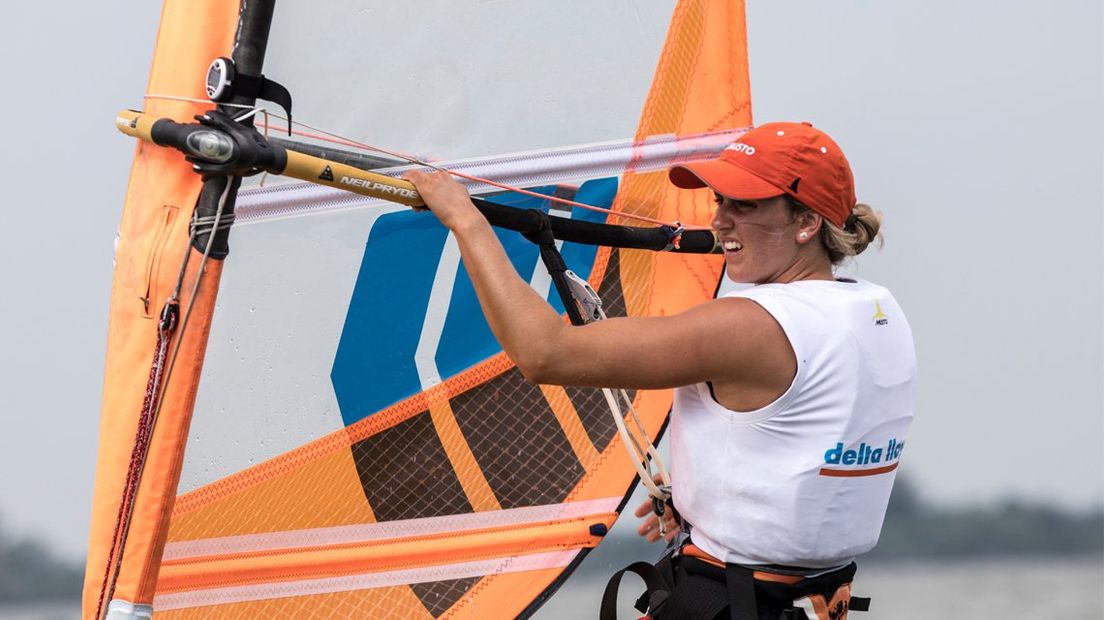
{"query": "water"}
[(1055, 589), (40, 611)]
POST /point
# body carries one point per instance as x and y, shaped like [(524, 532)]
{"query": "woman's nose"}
[(721, 220)]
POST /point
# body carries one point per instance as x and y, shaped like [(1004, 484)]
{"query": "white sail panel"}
[(465, 78)]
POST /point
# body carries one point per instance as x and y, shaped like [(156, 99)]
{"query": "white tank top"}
[(805, 480)]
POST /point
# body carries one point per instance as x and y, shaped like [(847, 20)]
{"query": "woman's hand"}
[(446, 198), (649, 529)]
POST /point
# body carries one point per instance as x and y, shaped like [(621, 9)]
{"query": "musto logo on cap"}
[(740, 147)]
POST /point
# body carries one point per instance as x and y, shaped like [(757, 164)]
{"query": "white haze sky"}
[(975, 126)]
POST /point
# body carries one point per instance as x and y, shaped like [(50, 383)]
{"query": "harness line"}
[(642, 456)]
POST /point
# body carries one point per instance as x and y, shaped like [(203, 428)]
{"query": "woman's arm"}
[(724, 340)]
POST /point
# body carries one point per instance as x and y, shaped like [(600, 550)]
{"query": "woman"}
[(793, 397)]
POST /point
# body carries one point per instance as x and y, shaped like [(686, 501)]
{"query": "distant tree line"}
[(29, 571), (915, 529)]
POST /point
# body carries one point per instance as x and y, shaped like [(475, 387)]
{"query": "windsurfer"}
[(786, 391)]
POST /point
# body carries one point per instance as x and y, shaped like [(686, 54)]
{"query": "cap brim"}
[(724, 178)]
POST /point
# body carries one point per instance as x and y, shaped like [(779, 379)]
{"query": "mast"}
[(254, 24)]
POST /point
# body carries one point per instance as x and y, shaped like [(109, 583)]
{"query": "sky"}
[(976, 127)]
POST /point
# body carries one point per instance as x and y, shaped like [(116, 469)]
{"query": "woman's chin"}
[(739, 275)]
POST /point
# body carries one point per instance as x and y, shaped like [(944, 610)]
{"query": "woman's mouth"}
[(731, 245)]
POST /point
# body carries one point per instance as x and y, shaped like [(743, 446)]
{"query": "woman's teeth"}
[(732, 246)]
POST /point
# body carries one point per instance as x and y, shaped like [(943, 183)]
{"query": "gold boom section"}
[(341, 176), (304, 167)]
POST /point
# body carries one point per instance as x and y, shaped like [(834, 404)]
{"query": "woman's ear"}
[(809, 226)]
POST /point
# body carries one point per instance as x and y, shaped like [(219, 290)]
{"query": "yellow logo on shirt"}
[(880, 318)]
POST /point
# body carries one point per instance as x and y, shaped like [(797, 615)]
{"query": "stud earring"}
[(804, 235)]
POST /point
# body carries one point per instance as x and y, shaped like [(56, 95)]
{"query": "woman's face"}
[(759, 238)]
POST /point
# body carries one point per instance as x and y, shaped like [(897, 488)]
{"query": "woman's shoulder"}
[(822, 311), (815, 289)]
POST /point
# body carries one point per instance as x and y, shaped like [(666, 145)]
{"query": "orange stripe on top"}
[(854, 473)]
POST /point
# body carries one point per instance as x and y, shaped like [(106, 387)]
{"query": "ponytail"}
[(859, 231)]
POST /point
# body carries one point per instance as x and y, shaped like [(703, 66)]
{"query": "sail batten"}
[(526, 169), (362, 533), (365, 581)]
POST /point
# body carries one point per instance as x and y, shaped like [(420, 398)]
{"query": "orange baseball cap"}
[(795, 159)]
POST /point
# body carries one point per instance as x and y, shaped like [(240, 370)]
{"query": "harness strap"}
[(741, 593), (657, 592), (554, 262)]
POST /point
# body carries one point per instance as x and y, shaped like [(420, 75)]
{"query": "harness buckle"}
[(583, 293)]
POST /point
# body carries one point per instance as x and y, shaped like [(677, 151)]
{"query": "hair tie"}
[(851, 221)]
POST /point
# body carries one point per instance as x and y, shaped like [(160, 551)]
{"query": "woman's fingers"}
[(447, 198), (673, 528), (649, 529)]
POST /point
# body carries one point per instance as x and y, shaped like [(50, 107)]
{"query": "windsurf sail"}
[(320, 423)]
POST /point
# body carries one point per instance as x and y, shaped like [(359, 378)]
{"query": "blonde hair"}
[(859, 231)]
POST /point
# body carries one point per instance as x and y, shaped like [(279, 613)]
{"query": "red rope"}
[(138, 454)]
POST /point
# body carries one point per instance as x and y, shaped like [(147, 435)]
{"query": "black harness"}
[(681, 586)]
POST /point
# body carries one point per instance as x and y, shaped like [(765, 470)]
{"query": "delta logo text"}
[(862, 461), (740, 147)]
